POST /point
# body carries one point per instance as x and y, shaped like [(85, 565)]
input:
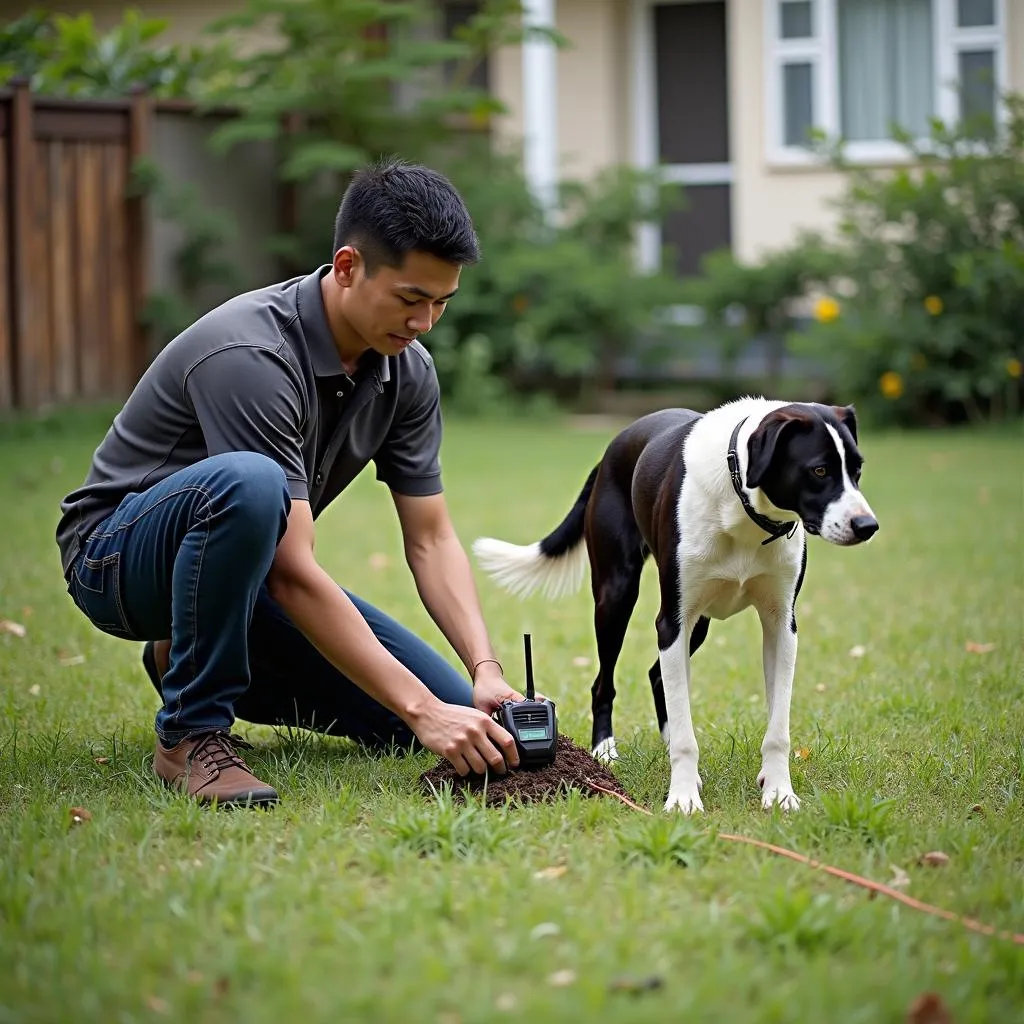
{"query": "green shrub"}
[(933, 330)]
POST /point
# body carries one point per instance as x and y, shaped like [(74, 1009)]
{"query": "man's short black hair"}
[(393, 208)]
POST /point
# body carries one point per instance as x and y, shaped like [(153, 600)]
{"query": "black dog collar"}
[(770, 526)]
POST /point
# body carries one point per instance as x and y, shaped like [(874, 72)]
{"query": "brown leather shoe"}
[(207, 767)]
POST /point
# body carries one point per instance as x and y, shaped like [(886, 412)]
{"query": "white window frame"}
[(822, 52)]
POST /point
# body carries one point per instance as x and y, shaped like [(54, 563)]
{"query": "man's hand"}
[(471, 741), (490, 689)]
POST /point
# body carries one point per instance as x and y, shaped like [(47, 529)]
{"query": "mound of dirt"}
[(571, 769)]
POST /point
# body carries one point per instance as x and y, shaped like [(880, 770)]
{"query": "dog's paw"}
[(781, 794), (686, 800), (606, 751)]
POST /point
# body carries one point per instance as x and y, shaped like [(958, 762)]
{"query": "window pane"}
[(974, 13), (796, 19), (885, 67), (978, 85), (797, 98)]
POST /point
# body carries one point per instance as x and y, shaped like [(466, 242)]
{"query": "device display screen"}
[(533, 734)]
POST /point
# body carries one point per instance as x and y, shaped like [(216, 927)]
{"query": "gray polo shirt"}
[(261, 373)]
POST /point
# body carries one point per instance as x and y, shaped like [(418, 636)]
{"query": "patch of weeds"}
[(448, 830), (664, 839), (857, 814), (799, 920)]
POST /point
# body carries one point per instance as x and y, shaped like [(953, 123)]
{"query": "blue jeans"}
[(188, 559)]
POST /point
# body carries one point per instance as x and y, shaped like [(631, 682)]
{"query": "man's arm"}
[(468, 738), (441, 569)]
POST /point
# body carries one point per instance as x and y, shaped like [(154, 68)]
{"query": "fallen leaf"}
[(102, 760), (928, 1008), (27, 611), (156, 1004), (221, 986), (506, 1001), (636, 986), (934, 859), (446, 1017), (581, 662), (73, 659), (194, 977), (974, 648), (378, 560), (35, 689), (555, 871), (14, 628), (984, 495), (562, 978), (820, 688), (802, 753), (858, 651), (79, 814), (544, 930), (900, 879)]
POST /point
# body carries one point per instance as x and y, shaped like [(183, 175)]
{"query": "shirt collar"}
[(322, 351)]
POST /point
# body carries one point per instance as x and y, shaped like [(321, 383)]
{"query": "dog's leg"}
[(779, 647), (614, 600), (697, 637), (658, 693), (674, 624), (616, 564)]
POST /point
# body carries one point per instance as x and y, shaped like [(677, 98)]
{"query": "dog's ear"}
[(847, 415), (765, 439)]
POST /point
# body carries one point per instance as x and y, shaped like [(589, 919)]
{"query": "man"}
[(194, 529)]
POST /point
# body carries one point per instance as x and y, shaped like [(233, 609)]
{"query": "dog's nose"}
[(864, 526)]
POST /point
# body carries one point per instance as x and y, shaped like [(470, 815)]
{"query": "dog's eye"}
[(819, 471)]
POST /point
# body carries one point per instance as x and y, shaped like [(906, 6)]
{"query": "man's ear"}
[(848, 417), (346, 260), (764, 441)]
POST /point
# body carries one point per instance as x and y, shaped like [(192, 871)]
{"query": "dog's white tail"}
[(555, 564), (524, 568)]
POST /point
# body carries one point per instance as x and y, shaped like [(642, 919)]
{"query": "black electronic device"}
[(531, 722)]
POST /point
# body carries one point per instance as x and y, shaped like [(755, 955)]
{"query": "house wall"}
[(590, 76)]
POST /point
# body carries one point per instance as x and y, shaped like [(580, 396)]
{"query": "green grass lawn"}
[(360, 898)]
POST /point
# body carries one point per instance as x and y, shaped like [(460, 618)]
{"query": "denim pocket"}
[(96, 589)]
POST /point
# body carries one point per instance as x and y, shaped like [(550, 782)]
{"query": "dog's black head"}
[(804, 457)]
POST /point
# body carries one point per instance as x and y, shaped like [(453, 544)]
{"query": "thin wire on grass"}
[(847, 876)]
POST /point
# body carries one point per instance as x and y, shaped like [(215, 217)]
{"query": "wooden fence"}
[(73, 275)]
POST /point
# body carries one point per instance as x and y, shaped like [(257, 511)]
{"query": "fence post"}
[(23, 292), (139, 132)]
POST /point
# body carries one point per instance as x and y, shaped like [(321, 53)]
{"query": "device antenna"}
[(529, 666)]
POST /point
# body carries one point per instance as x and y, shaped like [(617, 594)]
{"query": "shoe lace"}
[(217, 750)]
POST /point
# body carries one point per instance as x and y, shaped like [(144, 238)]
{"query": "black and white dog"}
[(723, 501)]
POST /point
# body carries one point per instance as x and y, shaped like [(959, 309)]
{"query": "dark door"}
[(692, 96)]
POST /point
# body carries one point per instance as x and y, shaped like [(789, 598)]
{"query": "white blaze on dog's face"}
[(805, 459), (848, 518)]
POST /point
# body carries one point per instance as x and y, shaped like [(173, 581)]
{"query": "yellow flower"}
[(826, 309), (891, 384), (1013, 367), (933, 304)]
